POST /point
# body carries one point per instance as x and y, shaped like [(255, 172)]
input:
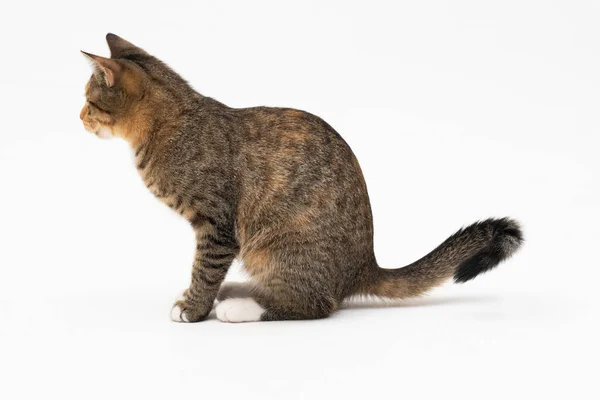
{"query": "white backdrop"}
[(457, 110)]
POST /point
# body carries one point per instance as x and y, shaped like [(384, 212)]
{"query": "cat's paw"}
[(178, 314), (184, 311), (239, 310)]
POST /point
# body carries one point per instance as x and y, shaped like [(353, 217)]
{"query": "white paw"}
[(239, 310), (177, 314)]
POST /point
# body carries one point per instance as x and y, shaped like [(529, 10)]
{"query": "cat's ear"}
[(118, 46), (111, 69)]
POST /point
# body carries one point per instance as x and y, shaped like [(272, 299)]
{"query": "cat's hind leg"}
[(278, 301), (236, 290)]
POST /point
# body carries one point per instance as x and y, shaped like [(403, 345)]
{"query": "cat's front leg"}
[(213, 258)]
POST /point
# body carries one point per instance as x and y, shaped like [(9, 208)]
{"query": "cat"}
[(277, 188)]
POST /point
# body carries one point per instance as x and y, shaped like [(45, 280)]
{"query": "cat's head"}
[(115, 90)]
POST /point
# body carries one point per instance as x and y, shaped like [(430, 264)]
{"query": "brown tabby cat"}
[(277, 188)]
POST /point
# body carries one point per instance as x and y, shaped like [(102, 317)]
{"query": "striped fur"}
[(277, 188)]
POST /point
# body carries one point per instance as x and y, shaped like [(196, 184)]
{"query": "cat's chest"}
[(164, 188)]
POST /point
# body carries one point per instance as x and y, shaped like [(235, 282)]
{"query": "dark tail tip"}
[(506, 238)]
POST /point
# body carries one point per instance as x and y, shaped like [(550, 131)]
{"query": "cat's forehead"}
[(92, 84), (92, 89)]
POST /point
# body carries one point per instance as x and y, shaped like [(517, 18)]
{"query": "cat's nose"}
[(83, 113)]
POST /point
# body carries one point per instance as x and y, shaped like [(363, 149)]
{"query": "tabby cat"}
[(277, 188)]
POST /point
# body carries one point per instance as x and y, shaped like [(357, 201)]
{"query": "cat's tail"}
[(464, 255)]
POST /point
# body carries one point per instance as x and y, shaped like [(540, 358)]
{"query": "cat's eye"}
[(97, 106)]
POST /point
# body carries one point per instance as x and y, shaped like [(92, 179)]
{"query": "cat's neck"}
[(156, 119), (135, 130), (147, 122)]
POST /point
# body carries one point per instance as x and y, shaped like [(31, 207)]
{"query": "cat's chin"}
[(104, 133)]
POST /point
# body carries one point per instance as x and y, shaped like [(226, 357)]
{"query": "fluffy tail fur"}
[(464, 255)]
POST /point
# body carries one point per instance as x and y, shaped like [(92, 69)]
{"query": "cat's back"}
[(295, 156), (293, 132)]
